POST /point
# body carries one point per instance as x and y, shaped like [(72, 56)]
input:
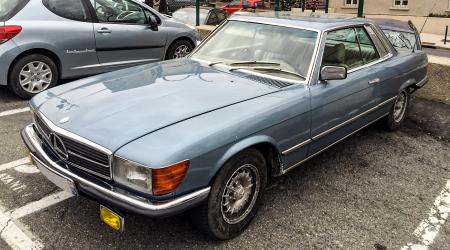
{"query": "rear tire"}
[(234, 197), (32, 74), (398, 112), (179, 49)]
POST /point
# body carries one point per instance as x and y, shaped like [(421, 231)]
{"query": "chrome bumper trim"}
[(423, 82), (141, 206)]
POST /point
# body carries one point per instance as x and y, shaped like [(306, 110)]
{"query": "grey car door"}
[(340, 107), (122, 33)]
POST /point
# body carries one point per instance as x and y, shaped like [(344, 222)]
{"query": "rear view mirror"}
[(333, 73), (153, 23)]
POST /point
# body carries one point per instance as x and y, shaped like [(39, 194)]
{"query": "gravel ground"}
[(369, 192)]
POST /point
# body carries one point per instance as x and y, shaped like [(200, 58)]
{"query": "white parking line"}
[(429, 228), (16, 237), (14, 111), (43, 203), (14, 164)]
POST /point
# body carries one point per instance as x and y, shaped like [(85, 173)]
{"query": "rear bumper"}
[(103, 192), (422, 83)]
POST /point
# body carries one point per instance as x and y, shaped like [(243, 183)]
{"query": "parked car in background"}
[(236, 5), (42, 41), (205, 132), (403, 35), (174, 5), (208, 15)]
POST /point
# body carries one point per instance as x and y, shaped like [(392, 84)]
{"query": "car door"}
[(122, 33), (340, 107), (69, 30)]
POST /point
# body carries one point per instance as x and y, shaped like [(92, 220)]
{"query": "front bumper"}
[(103, 192)]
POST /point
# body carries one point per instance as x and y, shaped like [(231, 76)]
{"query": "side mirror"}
[(333, 73), (153, 23)]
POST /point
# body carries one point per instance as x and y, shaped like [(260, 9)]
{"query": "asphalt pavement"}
[(375, 190)]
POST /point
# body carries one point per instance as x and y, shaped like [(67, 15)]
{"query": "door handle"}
[(104, 31), (374, 81)]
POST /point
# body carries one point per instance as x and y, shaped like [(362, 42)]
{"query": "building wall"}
[(385, 7)]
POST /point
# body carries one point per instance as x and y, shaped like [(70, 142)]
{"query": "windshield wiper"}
[(270, 69), (243, 63), (214, 63)]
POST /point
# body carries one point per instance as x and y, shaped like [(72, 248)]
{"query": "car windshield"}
[(7, 6), (401, 40), (187, 15), (285, 52)]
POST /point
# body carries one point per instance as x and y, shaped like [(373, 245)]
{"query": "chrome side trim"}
[(352, 119), (142, 204), (292, 149), (329, 146), (114, 63)]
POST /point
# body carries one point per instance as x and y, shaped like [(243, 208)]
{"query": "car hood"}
[(118, 107)]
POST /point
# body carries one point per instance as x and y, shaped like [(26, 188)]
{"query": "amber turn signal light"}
[(166, 180)]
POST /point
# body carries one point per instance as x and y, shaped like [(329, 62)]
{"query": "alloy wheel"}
[(400, 107), (240, 194), (181, 51)]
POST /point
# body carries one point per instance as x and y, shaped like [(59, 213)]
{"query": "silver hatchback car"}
[(42, 41)]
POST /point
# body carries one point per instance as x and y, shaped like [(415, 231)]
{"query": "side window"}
[(259, 4), (382, 50), (368, 50), (212, 19), (70, 9), (342, 49), (350, 47), (235, 3), (119, 11)]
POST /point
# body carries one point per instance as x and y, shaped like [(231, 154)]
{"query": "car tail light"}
[(8, 32), (166, 180)]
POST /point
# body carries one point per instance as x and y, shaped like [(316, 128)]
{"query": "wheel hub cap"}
[(35, 77)]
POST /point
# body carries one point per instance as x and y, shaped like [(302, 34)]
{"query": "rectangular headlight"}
[(133, 175)]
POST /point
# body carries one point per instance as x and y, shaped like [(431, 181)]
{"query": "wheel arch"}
[(264, 144), (184, 37), (40, 51)]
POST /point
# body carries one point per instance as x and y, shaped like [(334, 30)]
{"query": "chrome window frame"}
[(310, 72), (381, 59)]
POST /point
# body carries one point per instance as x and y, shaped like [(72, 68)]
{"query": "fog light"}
[(111, 218)]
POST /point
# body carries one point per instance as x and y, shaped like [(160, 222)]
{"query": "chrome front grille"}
[(80, 155)]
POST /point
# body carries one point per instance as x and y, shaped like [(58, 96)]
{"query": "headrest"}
[(335, 54)]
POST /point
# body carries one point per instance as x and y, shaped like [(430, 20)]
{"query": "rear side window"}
[(70, 9), (8, 8)]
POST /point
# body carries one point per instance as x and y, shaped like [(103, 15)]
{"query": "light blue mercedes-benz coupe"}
[(262, 95), (43, 41)]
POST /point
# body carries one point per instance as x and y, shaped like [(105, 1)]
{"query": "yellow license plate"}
[(111, 218)]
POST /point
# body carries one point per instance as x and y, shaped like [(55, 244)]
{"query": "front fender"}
[(240, 146)]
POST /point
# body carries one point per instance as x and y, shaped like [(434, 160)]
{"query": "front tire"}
[(179, 49), (398, 112), (234, 197), (32, 74)]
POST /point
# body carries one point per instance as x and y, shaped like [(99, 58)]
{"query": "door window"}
[(350, 47), (235, 3), (259, 5), (119, 11), (70, 9)]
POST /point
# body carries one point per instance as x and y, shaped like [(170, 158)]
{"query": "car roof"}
[(396, 25), (315, 21)]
